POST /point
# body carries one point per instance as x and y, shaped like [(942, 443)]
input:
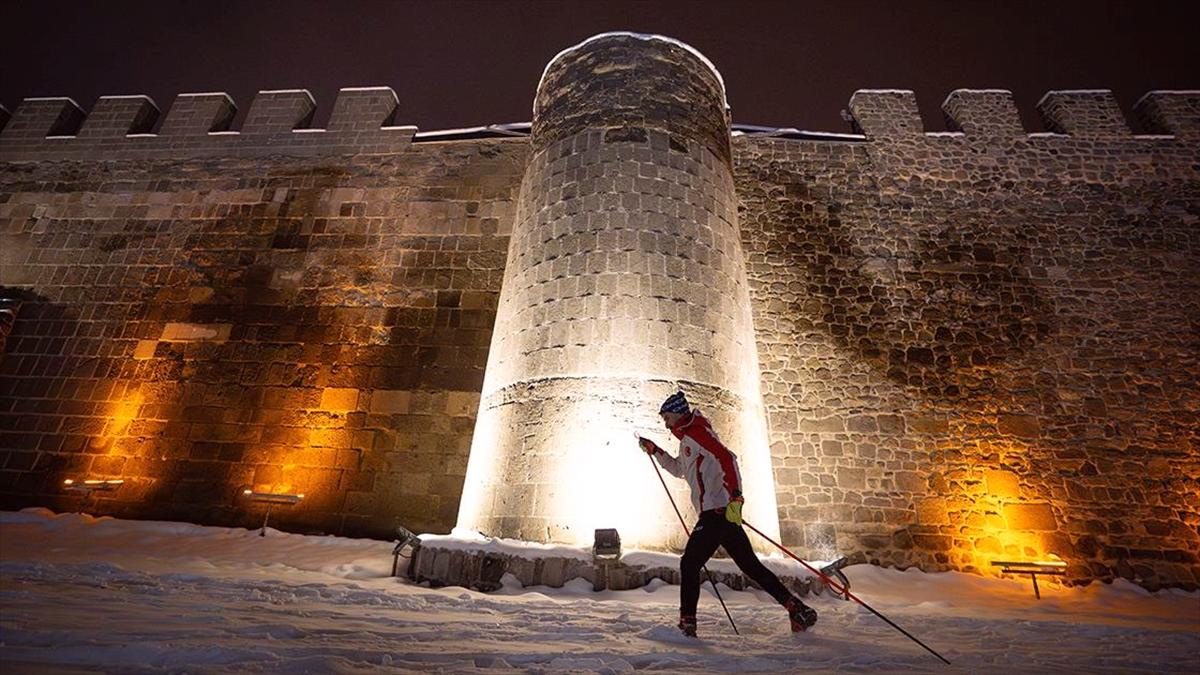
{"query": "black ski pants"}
[(713, 531)]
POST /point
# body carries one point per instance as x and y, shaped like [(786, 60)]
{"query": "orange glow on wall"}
[(308, 451), (123, 414), (990, 513)]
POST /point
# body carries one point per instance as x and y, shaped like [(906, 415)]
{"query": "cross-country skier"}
[(712, 473)]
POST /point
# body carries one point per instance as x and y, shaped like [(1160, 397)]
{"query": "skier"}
[(712, 473)]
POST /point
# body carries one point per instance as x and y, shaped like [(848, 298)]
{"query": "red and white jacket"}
[(709, 468)]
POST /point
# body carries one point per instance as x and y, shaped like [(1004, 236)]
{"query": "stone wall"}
[(982, 345), (280, 320), (974, 345)]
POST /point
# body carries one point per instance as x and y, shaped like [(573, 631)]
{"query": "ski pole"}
[(689, 534), (845, 591)]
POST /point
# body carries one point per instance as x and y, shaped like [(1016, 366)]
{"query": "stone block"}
[(362, 109), (886, 113), (933, 542), (279, 111), (1083, 113), (931, 512), (1023, 426), (909, 481), (1170, 112), (927, 425), (37, 118), (117, 116), (198, 115), (415, 484), (987, 113), (890, 424), (1037, 516), (1002, 484), (821, 425), (552, 571), (989, 546), (851, 479), (195, 332), (145, 349), (462, 403), (862, 424), (387, 401), (339, 399)]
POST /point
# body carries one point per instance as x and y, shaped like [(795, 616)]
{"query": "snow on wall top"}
[(198, 124), (640, 36)]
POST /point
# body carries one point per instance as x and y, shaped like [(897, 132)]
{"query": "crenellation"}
[(1170, 112), (118, 117), (279, 112), (39, 118), (1092, 112), (881, 114), (197, 114), (199, 125), (983, 114), (363, 109)]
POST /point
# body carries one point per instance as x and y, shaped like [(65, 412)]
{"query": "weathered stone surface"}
[(934, 314), (628, 86), (200, 327), (626, 281), (1002, 484), (999, 293), (439, 566), (1026, 426), (1030, 517)]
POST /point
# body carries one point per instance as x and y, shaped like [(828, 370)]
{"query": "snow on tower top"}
[(640, 36)]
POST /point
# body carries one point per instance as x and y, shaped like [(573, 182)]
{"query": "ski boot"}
[(802, 616), (687, 625)]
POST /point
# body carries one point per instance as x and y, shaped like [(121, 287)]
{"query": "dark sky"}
[(468, 63)]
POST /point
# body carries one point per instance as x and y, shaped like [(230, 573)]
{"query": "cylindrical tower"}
[(625, 281)]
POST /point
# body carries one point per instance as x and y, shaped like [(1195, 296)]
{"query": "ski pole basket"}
[(1051, 567)]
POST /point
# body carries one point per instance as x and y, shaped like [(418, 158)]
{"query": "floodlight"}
[(89, 486), (607, 545), (271, 499)]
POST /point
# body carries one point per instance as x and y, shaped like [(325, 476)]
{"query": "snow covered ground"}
[(79, 594)]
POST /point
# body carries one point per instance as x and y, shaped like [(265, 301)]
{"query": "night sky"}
[(469, 63)]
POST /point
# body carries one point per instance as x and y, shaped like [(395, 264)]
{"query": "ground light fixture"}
[(405, 539), (607, 545), (1034, 568), (834, 570), (606, 556), (89, 486), (271, 499)]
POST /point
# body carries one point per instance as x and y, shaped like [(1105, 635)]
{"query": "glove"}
[(733, 510), (648, 446)]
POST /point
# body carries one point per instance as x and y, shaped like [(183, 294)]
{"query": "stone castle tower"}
[(626, 281)]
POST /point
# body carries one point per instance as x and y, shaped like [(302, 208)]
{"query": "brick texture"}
[(971, 345), (980, 345), (204, 327), (626, 280)]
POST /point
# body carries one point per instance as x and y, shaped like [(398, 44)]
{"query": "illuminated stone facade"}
[(625, 282), (971, 345)]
